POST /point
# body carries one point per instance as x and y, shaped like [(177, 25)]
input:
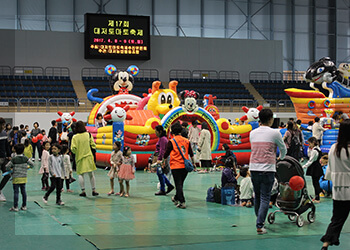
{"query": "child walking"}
[(116, 161), (67, 167), (44, 168), (56, 173), (28, 149), (19, 165), (126, 171)]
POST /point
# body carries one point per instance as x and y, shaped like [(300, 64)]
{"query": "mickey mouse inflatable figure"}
[(190, 105), (121, 82)]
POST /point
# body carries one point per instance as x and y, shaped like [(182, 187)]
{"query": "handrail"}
[(57, 71), (28, 70), (180, 74), (259, 75), (205, 74), (229, 75), (5, 70)]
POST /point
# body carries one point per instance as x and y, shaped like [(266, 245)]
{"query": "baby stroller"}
[(292, 203)]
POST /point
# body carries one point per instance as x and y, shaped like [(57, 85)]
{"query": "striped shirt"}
[(264, 142)]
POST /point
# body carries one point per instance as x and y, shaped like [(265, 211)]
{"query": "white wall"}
[(66, 49)]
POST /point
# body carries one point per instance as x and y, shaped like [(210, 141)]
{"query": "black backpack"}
[(217, 194), (294, 149)]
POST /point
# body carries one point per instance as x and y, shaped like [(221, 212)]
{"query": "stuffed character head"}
[(252, 114), (163, 100), (123, 81), (66, 118), (190, 101), (118, 113), (321, 71)]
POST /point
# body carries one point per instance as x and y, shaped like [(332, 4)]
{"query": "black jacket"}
[(4, 145)]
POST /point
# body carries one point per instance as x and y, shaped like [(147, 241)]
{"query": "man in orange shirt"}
[(177, 164)]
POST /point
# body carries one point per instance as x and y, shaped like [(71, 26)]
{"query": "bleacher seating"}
[(221, 88), (36, 87), (274, 90)]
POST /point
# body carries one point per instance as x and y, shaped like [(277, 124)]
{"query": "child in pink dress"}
[(44, 168), (126, 171)]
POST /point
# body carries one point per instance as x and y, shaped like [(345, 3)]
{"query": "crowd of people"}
[(75, 146)]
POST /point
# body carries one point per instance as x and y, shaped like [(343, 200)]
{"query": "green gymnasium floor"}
[(145, 221)]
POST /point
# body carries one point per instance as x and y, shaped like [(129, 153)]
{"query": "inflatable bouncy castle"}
[(309, 104), (132, 119)]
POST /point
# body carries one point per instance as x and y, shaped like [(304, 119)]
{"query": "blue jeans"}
[(163, 180), (262, 184), (16, 188)]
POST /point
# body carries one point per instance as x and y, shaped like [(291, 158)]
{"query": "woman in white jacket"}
[(204, 147), (338, 172)]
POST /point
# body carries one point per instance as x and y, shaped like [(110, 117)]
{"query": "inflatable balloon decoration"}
[(296, 183), (118, 115), (163, 100), (252, 114), (121, 82), (189, 98), (66, 119), (327, 121), (210, 107)]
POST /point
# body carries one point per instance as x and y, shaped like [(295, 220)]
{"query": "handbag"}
[(188, 164), (71, 179)]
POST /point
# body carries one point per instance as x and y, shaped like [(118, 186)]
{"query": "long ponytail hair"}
[(343, 138)]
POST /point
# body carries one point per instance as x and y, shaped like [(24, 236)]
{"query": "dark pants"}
[(45, 180), (6, 178), (179, 178), (341, 211), (16, 188), (37, 145), (56, 182), (262, 184), (316, 184), (67, 183)]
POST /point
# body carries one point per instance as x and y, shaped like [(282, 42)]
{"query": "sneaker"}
[(83, 194), (14, 209), (60, 203), (45, 200), (24, 208), (322, 195), (160, 193), (39, 159), (174, 200), (94, 193), (181, 205), (170, 188), (70, 191), (2, 196), (261, 230)]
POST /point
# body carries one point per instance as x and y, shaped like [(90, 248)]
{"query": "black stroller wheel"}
[(271, 218), (300, 221), (311, 216)]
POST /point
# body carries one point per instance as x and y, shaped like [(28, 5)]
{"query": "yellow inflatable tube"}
[(226, 128), (104, 147), (146, 129)]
